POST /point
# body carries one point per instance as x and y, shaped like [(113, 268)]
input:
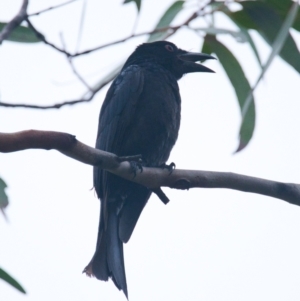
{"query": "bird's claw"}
[(170, 167), (136, 166)]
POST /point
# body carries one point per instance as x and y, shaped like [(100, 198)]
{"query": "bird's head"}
[(166, 54)]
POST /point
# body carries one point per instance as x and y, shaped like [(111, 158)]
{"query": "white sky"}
[(206, 244)]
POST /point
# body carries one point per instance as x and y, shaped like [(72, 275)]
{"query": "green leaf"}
[(241, 36), (252, 45), (7, 278), (282, 8), (239, 82), (166, 20), (3, 195), (276, 47), (21, 34), (137, 2), (262, 17)]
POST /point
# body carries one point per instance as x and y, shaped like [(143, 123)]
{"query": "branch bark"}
[(153, 178)]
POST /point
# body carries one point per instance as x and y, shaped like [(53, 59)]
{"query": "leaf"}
[(3, 196), (166, 20), (276, 47), (7, 278), (282, 8), (262, 17), (137, 2), (21, 34), (241, 36), (251, 43), (239, 82), (238, 35)]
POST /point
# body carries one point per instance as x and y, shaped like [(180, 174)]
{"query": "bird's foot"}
[(136, 166), (170, 167), (136, 163)]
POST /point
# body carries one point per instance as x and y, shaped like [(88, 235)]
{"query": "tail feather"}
[(131, 211), (115, 257), (99, 261), (108, 260)]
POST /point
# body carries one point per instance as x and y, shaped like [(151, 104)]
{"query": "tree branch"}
[(51, 8), (90, 95), (40, 36), (172, 30), (15, 22), (92, 92), (76, 73), (153, 178), (44, 107), (73, 55)]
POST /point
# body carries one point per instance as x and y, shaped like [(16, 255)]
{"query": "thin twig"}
[(40, 36), (15, 22), (81, 25), (90, 96), (83, 81), (71, 102), (44, 107), (132, 36), (43, 39), (172, 30), (70, 60), (50, 8), (93, 92)]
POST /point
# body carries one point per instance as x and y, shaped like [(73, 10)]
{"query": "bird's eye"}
[(169, 48)]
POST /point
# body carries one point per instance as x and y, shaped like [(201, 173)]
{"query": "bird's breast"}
[(154, 127)]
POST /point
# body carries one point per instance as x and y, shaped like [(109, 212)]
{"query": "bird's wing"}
[(119, 107), (115, 117)]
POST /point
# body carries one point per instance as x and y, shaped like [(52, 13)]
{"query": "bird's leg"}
[(170, 167), (136, 163)]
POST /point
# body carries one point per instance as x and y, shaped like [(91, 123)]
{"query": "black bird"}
[(140, 115)]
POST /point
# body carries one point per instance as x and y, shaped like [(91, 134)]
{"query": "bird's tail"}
[(108, 260)]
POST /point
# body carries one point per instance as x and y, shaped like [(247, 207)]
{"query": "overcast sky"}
[(205, 244)]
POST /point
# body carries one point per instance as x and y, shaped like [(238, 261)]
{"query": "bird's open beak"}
[(190, 59)]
